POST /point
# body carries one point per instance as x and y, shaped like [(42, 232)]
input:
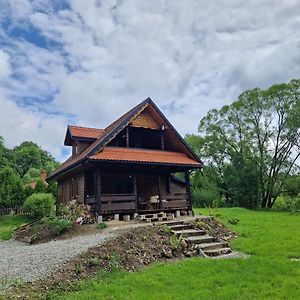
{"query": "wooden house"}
[(129, 166)]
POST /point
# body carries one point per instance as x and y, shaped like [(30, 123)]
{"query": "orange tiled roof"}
[(85, 132), (144, 155)]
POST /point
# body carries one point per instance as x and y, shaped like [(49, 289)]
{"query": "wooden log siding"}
[(172, 201), (118, 202)]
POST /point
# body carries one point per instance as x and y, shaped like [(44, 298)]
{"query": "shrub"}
[(288, 203), (59, 225), (101, 225), (39, 205)]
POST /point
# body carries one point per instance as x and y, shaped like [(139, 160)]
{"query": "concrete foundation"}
[(117, 217), (126, 218), (99, 219), (177, 214)]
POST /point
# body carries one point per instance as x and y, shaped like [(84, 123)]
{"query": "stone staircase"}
[(207, 246)]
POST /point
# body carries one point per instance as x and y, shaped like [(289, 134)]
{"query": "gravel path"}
[(32, 262)]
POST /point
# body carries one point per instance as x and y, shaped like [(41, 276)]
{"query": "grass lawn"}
[(8, 223), (270, 237)]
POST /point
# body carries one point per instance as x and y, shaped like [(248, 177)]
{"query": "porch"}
[(136, 192)]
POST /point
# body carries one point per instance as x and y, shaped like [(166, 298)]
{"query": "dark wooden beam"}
[(84, 187), (97, 190), (159, 190), (162, 140), (169, 182), (135, 192), (188, 189), (127, 137)]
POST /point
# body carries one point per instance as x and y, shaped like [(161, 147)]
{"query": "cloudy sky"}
[(86, 62)]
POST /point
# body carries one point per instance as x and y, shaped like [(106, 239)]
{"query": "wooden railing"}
[(172, 201), (117, 202)]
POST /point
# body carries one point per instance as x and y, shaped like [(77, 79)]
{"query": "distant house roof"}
[(98, 149), (43, 176)]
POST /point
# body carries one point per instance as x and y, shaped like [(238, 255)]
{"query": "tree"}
[(29, 155), (11, 188), (262, 127)]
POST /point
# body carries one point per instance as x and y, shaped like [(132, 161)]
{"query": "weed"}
[(78, 268), (114, 263), (93, 262), (175, 241), (101, 225), (166, 229)]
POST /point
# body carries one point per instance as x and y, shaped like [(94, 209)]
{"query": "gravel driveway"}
[(32, 262)]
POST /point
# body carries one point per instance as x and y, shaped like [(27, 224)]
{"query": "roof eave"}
[(192, 166)]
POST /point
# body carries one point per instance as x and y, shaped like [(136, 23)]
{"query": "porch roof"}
[(122, 154)]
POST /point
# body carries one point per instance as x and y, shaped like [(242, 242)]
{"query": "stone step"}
[(200, 239), (181, 227), (172, 223), (189, 232), (212, 246), (217, 252)]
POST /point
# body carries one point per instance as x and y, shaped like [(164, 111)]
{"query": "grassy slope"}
[(271, 238), (7, 223)]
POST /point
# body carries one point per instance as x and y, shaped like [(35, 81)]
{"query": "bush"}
[(288, 203), (59, 225), (39, 205)]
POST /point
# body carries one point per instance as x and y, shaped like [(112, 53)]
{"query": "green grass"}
[(8, 223), (270, 237)]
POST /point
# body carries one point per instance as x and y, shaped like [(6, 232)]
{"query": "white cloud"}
[(104, 57), (5, 68)]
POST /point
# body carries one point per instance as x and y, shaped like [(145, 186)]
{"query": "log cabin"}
[(129, 167)]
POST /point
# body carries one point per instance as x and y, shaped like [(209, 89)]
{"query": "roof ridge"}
[(86, 127)]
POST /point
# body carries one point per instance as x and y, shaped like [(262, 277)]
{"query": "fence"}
[(12, 210)]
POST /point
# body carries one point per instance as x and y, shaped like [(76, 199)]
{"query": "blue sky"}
[(87, 62)]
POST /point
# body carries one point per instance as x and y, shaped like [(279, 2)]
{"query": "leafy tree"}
[(29, 155), (261, 127), (204, 191), (242, 182), (292, 186), (11, 188), (40, 186)]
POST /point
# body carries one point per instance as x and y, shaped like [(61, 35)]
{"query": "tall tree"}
[(29, 155), (263, 126)]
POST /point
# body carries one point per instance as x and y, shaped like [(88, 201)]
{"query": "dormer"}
[(81, 137)]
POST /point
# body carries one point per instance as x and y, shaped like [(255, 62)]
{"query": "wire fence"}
[(11, 210)]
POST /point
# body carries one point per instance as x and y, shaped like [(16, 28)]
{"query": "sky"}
[(87, 62)]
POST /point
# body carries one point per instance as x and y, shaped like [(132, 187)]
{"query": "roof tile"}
[(85, 132), (144, 155)]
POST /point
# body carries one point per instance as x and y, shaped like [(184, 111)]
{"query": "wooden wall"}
[(145, 120), (64, 189)]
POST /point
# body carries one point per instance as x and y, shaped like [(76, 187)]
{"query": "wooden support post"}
[(84, 187), (169, 182), (135, 193), (188, 189), (127, 137), (162, 140), (159, 190), (97, 190)]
